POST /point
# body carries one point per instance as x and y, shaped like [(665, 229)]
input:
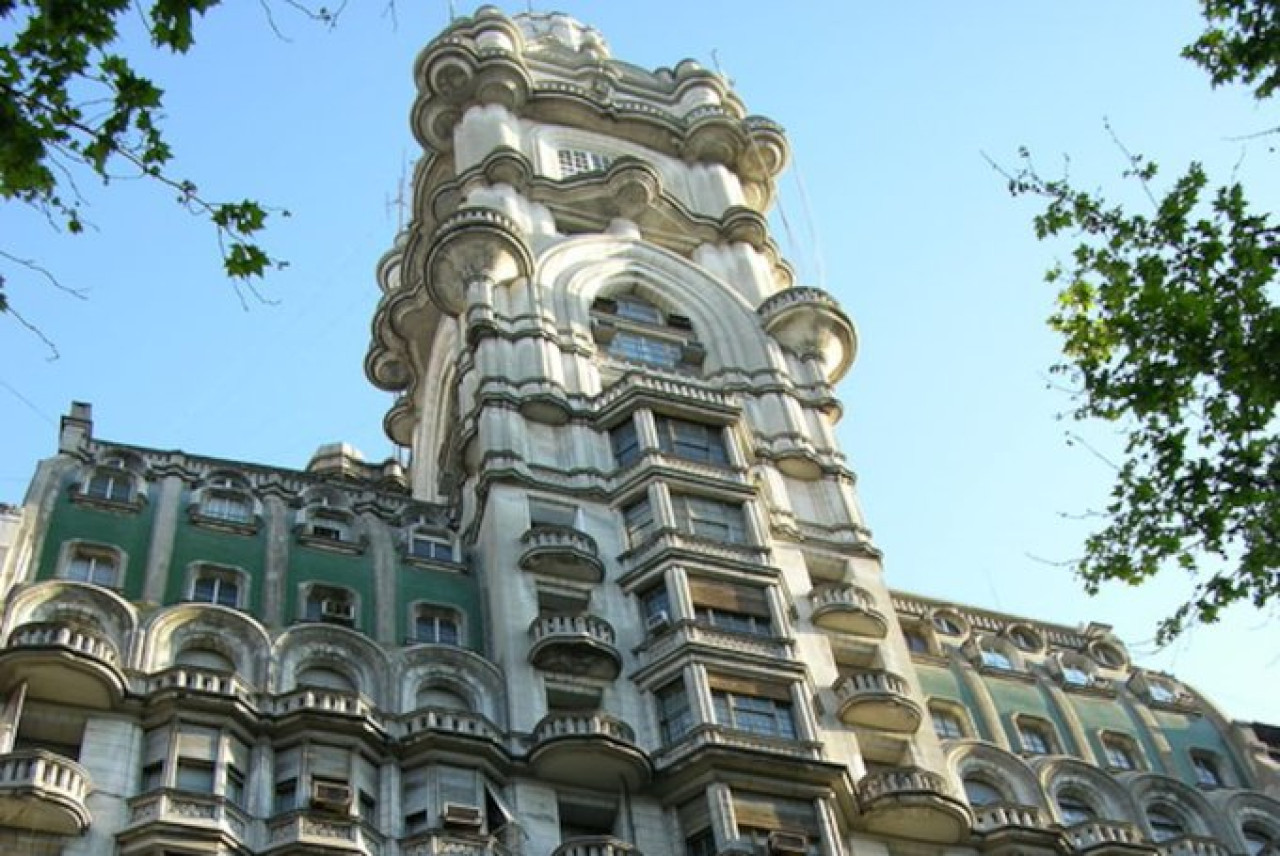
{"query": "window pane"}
[(626, 443), (195, 776), (644, 349)]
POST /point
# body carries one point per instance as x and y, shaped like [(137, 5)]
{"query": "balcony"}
[(307, 833), (847, 609), (1107, 838), (758, 747), (908, 802), (580, 645), (561, 551), (434, 729), (590, 750), (162, 821), (336, 708), (809, 322), (877, 699), (64, 661), (1008, 829), (43, 792), (685, 633), (440, 842), (596, 845), (994, 817), (1191, 845)]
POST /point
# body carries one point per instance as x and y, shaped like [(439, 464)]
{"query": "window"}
[(1120, 752), (196, 758), (434, 547), (324, 777), (728, 606), (1206, 770), (329, 603), (545, 512), (692, 441), (1165, 824), (675, 717), (580, 162), (710, 518), (1075, 675), (752, 707), (1161, 692), (634, 309), (229, 507), (1074, 809), (97, 565), (656, 605), (112, 483), (946, 723), (947, 624), (979, 792), (704, 844), (996, 660), (1256, 840), (215, 585), (1025, 639), (435, 624), (645, 348), (759, 815), (1108, 655), (637, 519), (1035, 737), (625, 440), (916, 643)]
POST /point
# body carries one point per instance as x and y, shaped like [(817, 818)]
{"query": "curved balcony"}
[(877, 699), (596, 845), (809, 322), (995, 817), (561, 551), (337, 707), (575, 645), (908, 802), (1009, 829), (591, 750), (64, 661), (1191, 845), (44, 792), (166, 817), (306, 833), (847, 609), (1107, 837)]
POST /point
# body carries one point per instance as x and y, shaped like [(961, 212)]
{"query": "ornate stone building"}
[(621, 601)]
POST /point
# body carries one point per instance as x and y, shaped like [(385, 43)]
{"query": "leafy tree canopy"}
[(70, 101), (1171, 332)]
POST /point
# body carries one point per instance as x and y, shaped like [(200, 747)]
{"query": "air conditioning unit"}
[(658, 621), (784, 843), (459, 816), (337, 610), (334, 796)]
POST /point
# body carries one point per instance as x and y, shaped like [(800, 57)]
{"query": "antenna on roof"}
[(399, 201), (453, 11)]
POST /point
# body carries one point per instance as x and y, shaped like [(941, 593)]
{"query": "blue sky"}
[(963, 469)]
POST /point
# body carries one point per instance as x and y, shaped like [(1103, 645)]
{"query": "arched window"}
[(1165, 824), (433, 695), (1256, 839), (980, 792), (204, 658), (947, 721), (634, 329), (321, 677), (1073, 808), (1121, 752), (1036, 736)]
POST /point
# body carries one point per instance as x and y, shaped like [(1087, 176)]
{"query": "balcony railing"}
[(1093, 834), (847, 609), (994, 816), (315, 830), (185, 808), (48, 634), (588, 626), (440, 842), (563, 551), (47, 776), (197, 680), (876, 698), (596, 845), (328, 702), (696, 633), (1191, 845), (900, 782), (557, 725), (450, 722)]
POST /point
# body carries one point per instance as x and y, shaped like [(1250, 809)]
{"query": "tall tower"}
[(606, 367), (622, 602)]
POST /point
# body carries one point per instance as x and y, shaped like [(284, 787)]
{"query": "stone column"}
[(275, 564), (383, 549), (164, 523)]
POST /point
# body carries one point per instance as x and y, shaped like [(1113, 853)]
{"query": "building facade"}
[(621, 601)]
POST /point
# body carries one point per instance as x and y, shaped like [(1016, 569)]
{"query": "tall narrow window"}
[(675, 716), (1120, 751), (1035, 737), (1206, 770), (626, 443), (638, 520)]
